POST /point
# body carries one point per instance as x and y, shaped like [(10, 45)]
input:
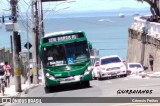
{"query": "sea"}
[(107, 31)]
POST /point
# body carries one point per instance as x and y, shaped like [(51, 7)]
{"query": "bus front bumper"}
[(72, 79)]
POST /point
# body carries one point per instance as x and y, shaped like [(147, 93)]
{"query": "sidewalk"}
[(150, 75), (10, 91), (146, 75)]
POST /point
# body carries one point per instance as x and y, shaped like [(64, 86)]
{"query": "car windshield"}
[(110, 60), (69, 53), (135, 65)]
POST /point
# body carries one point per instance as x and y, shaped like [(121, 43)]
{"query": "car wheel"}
[(125, 75)]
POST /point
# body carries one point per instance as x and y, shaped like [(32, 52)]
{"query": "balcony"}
[(150, 28)]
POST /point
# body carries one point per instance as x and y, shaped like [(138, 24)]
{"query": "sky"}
[(80, 5), (88, 5)]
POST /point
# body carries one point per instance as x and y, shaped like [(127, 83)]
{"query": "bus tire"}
[(86, 84), (47, 89)]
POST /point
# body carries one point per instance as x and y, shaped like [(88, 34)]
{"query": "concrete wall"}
[(140, 46)]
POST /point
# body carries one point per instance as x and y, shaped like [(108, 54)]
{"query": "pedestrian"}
[(31, 73), (1, 69), (151, 61), (7, 69), (2, 86)]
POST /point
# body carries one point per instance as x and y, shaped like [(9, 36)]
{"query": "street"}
[(104, 88)]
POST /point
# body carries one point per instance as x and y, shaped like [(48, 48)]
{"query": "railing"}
[(151, 28)]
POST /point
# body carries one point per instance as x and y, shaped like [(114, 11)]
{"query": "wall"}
[(140, 46)]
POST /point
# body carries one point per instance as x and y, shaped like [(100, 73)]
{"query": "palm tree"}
[(153, 7)]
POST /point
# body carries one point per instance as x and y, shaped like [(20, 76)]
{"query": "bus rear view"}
[(66, 58)]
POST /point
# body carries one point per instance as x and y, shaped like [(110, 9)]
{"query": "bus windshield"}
[(68, 53)]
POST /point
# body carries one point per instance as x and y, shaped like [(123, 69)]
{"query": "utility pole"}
[(35, 33), (16, 46)]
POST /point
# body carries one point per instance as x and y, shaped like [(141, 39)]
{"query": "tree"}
[(153, 7)]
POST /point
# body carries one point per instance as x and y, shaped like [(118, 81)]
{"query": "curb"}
[(151, 75)]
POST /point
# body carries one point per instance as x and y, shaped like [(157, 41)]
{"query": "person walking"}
[(7, 69), (151, 61), (31, 73)]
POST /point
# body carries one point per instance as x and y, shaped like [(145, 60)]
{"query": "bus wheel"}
[(86, 83), (47, 89)]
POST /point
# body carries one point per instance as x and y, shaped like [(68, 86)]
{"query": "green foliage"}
[(154, 6), (140, 1)]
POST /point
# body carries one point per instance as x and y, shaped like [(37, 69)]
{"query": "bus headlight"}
[(47, 74), (51, 77)]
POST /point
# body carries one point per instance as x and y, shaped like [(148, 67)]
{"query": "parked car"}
[(95, 70), (111, 66), (134, 68)]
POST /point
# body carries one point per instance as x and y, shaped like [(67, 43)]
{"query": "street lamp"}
[(28, 62), (41, 25), (62, 2), (51, 11), (67, 1)]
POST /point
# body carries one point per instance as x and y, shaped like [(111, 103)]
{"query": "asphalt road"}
[(104, 88)]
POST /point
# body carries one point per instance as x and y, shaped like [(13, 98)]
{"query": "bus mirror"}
[(39, 51), (90, 45)]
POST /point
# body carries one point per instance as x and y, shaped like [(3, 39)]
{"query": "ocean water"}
[(107, 33)]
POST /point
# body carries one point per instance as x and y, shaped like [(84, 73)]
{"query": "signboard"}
[(63, 37), (27, 45), (9, 26)]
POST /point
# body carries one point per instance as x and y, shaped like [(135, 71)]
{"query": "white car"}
[(134, 68), (95, 70), (110, 66)]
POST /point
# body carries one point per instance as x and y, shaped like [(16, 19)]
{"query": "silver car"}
[(111, 66)]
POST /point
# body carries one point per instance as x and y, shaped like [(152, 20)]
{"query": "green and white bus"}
[(66, 59)]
